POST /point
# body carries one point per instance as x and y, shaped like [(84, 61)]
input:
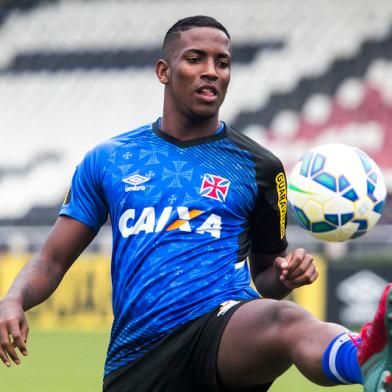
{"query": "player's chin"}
[(205, 111)]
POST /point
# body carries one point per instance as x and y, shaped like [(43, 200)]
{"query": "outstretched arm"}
[(37, 281), (276, 275)]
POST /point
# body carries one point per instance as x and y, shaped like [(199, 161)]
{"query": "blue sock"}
[(340, 363)]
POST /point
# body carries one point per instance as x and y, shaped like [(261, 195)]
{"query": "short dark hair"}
[(189, 23)]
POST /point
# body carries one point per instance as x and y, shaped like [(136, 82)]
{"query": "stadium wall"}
[(83, 300), (346, 292)]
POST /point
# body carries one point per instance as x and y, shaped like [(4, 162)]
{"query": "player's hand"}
[(13, 332), (296, 269)]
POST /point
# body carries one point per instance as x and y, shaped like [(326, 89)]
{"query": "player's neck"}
[(189, 129)]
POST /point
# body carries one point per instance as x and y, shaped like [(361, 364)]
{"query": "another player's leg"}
[(375, 352)]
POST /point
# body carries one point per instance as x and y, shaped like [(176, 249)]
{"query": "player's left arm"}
[(276, 275)]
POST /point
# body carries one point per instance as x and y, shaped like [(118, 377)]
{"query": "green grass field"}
[(73, 362)]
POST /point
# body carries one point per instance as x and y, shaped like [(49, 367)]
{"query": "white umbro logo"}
[(360, 294), (135, 181)]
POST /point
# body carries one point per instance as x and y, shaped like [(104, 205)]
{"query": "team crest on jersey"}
[(214, 187), (135, 181)]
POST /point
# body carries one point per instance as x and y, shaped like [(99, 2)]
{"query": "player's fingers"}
[(4, 358), (302, 268), (314, 277), (4, 339), (7, 350), (307, 278), (310, 279), (24, 329), (17, 341), (3, 355), (281, 263), (295, 258)]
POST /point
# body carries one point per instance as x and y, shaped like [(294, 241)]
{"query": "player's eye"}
[(223, 64), (194, 60)]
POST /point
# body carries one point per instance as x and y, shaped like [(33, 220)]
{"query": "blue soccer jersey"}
[(185, 216)]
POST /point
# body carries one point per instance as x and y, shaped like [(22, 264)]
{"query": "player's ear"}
[(162, 71)]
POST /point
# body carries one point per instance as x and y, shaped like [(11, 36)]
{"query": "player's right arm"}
[(37, 281)]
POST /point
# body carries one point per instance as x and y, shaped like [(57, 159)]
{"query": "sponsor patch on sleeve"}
[(67, 197), (280, 180)]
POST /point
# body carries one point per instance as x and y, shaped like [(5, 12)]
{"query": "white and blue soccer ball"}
[(337, 192)]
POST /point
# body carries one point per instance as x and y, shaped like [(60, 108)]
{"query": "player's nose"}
[(209, 70)]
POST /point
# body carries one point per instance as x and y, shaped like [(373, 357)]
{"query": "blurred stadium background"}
[(73, 73)]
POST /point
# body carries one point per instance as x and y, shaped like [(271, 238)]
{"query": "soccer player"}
[(191, 200)]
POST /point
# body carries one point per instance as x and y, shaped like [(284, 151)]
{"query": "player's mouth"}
[(207, 93)]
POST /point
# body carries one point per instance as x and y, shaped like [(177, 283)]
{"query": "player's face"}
[(198, 72)]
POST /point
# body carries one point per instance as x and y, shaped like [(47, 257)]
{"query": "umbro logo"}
[(135, 181), (359, 294)]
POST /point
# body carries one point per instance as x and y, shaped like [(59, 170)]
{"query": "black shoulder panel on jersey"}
[(268, 220)]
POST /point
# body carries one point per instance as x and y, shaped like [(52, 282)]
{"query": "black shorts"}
[(183, 361)]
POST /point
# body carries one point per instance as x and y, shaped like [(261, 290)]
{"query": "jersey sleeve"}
[(269, 218), (85, 200)]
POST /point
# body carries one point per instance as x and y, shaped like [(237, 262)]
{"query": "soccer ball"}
[(337, 192)]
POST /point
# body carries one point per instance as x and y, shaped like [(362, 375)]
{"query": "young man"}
[(190, 199)]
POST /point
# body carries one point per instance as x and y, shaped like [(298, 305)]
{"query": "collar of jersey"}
[(188, 143)]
